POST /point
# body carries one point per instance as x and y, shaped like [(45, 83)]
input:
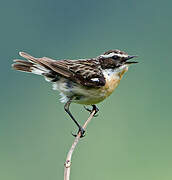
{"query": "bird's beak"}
[(130, 62)]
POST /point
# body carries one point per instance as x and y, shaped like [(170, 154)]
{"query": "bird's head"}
[(115, 59)]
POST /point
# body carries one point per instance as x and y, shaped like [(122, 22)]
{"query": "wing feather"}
[(82, 72)]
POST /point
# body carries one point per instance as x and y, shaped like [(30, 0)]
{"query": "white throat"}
[(108, 73)]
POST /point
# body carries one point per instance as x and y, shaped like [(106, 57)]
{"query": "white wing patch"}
[(95, 79)]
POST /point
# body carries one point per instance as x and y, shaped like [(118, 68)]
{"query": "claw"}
[(74, 134), (91, 110), (95, 108), (81, 130), (87, 109), (95, 115)]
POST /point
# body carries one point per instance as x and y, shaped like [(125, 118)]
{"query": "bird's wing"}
[(84, 72)]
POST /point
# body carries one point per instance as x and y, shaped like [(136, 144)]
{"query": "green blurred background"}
[(132, 136)]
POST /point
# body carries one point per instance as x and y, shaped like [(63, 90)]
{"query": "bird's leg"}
[(66, 107), (94, 108)]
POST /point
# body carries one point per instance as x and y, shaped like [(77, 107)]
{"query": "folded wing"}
[(84, 72)]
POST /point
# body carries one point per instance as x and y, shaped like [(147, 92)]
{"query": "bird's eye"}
[(115, 57)]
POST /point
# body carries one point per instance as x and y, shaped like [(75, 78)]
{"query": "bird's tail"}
[(33, 65)]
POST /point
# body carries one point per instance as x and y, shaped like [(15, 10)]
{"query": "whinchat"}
[(82, 81)]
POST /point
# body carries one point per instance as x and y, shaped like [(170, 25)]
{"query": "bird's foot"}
[(81, 130), (95, 108)]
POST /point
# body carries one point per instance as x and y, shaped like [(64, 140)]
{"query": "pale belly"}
[(90, 96), (95, 96)]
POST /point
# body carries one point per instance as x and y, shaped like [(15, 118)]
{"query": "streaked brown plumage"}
[(79, 71)]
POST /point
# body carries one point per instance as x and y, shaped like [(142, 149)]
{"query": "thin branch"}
[(67, 164)]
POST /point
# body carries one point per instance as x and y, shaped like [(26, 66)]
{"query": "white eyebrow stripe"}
[(113, 54)]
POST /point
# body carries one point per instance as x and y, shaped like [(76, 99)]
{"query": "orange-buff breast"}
[(112, 83)]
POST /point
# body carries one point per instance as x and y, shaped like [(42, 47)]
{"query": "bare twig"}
[(69, 155)]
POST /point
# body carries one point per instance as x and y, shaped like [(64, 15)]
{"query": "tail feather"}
[(22, 62), (22, 67), (33, 65), (28, 57)]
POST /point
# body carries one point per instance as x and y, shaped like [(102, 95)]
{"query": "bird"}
[(82, 81)]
